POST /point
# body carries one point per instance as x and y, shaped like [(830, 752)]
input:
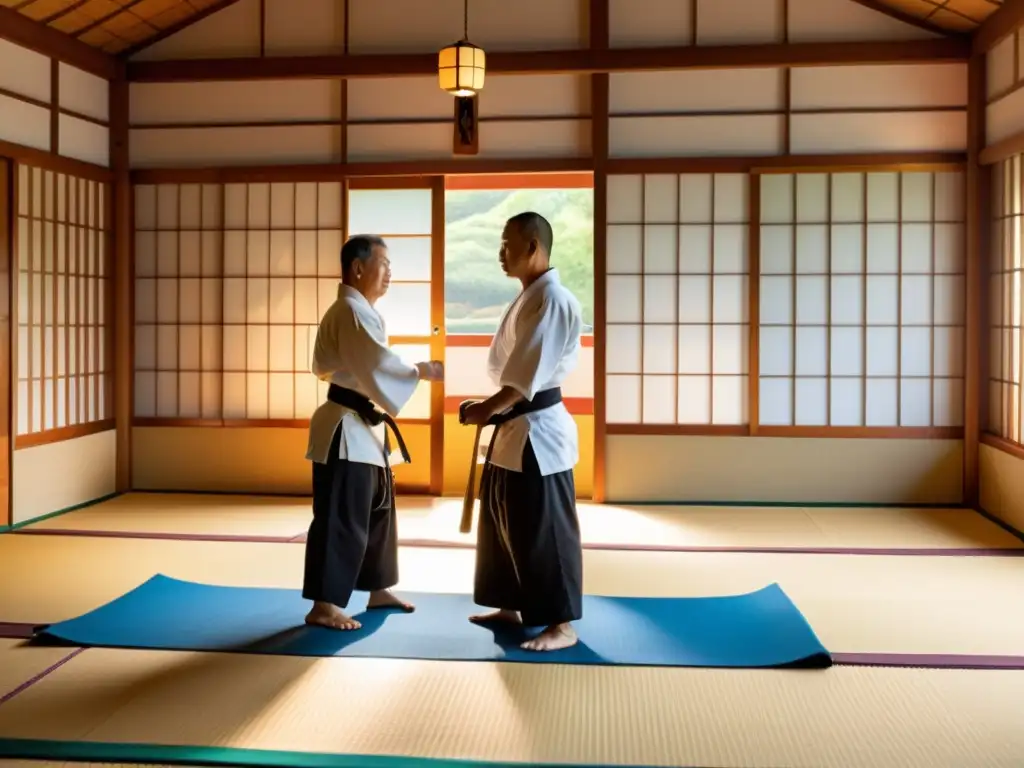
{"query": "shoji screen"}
[(1005, 357), (677, 300), (231, 282), (64, 324), (862, 300)]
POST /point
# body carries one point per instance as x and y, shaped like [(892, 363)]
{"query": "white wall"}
[(673, 468), (1002, 485), (52, 477)]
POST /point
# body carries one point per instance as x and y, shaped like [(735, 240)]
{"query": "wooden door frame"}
[(437, 339), (8, 375)]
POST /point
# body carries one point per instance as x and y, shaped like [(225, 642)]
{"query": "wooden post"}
[(599, 108), (124, 280), (9, 374), (976, 236)]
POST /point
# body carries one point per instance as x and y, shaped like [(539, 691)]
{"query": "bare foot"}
[(497, 617), (384, 598), (332, 617), (552, 639)]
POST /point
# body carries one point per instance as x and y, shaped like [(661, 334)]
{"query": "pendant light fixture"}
[(461, 66)]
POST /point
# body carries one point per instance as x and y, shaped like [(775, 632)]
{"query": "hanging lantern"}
[(461, 68)]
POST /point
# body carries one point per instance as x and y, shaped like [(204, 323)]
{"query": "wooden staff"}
[(466, 524)]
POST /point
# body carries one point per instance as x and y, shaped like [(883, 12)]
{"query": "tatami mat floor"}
[(531, 713), (437, 520), (844, 716)]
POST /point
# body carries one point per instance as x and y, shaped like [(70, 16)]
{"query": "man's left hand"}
[(476, 414)]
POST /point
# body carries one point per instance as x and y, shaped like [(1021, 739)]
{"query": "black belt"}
[(361, 404), (543, 400)]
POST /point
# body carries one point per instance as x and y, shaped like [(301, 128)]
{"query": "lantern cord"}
[(465, 20)]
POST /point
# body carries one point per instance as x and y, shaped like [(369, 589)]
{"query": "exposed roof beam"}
[(581, 62), (906, 18), (107, 17), (163, 34), (997, 26), (60, 13), (27, 33)]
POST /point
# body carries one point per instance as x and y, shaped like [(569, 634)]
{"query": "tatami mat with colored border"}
[(436, 521), (869, 604), (529, 713), (20, 663)]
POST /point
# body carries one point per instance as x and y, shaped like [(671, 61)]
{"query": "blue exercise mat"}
[(762, 629)]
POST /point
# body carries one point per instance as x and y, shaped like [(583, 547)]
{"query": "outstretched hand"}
[(431, 371)]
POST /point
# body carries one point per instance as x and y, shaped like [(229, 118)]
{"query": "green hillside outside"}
[(476, 290)]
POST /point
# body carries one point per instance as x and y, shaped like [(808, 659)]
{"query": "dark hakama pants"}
[(352, 542), (529, 555)]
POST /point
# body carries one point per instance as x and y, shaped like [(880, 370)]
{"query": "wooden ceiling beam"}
[(997, 26), (585, 61), (30, 34)]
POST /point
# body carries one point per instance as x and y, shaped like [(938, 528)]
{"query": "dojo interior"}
[(794, 227)]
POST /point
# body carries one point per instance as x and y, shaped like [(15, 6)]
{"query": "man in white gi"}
[(353, 541), (529, 554)]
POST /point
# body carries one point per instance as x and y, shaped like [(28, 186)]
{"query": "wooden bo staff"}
[(466, 523)]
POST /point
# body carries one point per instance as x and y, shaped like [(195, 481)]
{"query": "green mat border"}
[(117, 752), (59, 512)]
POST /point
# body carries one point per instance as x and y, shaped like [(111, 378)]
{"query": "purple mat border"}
[(603, 546), (32, 681), (929, 660), (13, 630)]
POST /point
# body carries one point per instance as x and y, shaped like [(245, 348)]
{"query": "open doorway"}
[(476, 293)]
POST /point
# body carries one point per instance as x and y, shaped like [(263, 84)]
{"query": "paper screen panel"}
[(677, 299), (231, 282), (1004, 298), (65, 361), (862, 299)]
